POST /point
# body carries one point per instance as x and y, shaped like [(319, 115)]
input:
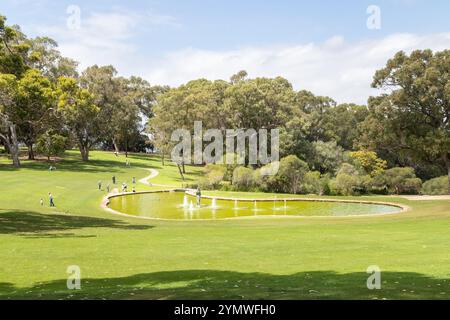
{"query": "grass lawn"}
[(120, 257)]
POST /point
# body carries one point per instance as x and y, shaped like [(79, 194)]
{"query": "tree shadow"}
[(33, 224), (215, 284)]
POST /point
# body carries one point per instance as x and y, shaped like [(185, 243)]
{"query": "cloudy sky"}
[(328, 47)]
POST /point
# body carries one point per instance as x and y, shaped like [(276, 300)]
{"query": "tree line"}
[(44, 103)]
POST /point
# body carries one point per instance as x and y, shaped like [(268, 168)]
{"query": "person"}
[(199, 196), (125, 187), (116, 153), (100, 185), (127, 164), (50, 197), (114, 179), (42, 202), (107, 188), (134, 180)]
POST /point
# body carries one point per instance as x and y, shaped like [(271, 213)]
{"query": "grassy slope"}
[(261, 258)]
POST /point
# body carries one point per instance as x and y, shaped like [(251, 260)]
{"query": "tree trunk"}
[(447, 165), (181, 172), (116, 147), (10, 141), (162, 159), (14, 145), (30, 151), (184, 169), (84, 150)]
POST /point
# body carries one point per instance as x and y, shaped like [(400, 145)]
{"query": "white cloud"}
[(105, 38), (334, 68)]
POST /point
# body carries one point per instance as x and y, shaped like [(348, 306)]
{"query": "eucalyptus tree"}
[(413, 118), (81, 114)]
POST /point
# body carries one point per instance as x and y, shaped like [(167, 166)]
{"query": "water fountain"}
[(191, 206), (213, 205), (285, 204), (185, 201), (235, 204)]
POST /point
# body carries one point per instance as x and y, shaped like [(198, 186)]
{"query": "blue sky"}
[(322, 46)]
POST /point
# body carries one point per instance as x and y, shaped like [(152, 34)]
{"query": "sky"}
[(328, 47)]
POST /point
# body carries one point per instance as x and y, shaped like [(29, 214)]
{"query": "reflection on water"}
[(177, 205)]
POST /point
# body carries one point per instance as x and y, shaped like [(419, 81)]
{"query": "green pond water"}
[(177, 205)]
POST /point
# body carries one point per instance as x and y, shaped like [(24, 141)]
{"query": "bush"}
[(212, 179), (243, 179), (399, 181), (315, 183), (289, 177), (436, 186)]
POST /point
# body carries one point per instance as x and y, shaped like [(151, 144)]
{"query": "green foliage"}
[(327, 156), (243, 179), (400, 180), (213, 176), (51, 144), (436, 186), (411, 122), (369, 162), (288, 179), (315, 183)]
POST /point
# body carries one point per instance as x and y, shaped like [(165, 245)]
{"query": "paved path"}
[(423, 198), (153, 174)]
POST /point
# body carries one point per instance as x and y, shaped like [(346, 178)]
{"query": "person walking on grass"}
[(42, 202), (134, 180), (50, 198), (114, 179), (107, 188), (99, 185)]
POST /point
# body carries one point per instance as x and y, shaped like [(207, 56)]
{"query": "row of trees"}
[(44, 99), (407, 125)]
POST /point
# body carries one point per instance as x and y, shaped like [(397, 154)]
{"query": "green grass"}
[(289, 258)]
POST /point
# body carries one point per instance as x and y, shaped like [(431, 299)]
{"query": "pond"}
[(181, 206)]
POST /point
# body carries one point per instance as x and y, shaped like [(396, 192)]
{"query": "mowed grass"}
[(270, 258)]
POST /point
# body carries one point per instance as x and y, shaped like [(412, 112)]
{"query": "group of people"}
[(124, 185), (99, 185), (50, 200)]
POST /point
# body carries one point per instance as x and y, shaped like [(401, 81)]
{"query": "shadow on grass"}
[(33, 224), (214, 284)]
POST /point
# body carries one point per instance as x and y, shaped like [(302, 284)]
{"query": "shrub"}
[(400, 180), (288, 179), (315, 183), (243, 179), (212, 179), (436, 186)]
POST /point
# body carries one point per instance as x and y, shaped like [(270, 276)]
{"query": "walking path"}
[(422, 198)]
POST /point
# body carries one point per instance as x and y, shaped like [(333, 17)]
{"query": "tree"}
[(51, 144), (369, 162), (8, 132), (327, 156), (81, 115), (33, 112), (414, 118)]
